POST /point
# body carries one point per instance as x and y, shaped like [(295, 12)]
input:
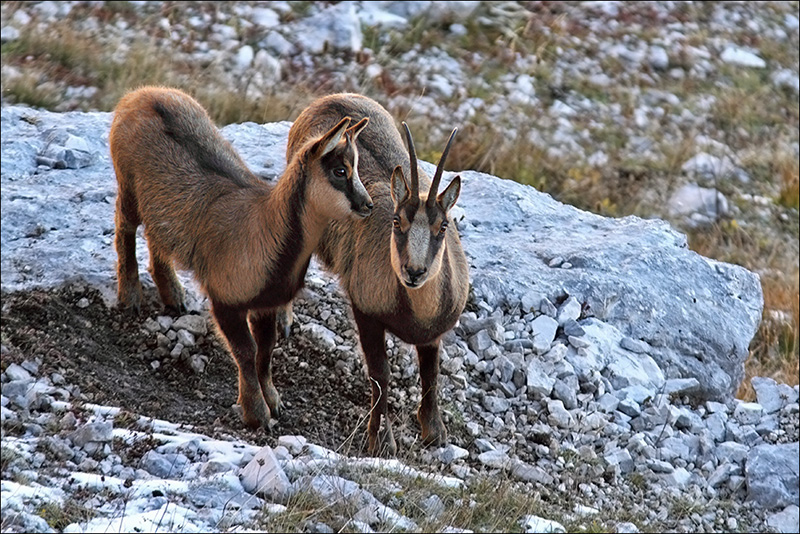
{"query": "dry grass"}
[(775, 350)]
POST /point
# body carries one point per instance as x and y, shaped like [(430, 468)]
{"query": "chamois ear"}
[(400, 190), (448, 197), (353, 131), (329, 141)]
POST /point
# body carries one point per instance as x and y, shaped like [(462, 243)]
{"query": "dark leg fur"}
[(262, 326), (169, 288), (433, 430), (233, 325), (129, 289), (371, 334)]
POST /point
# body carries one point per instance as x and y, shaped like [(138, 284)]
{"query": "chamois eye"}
[(340, 172), (396, 222), (443, 227)]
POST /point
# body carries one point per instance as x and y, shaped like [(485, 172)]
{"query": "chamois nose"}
[(415, 274)]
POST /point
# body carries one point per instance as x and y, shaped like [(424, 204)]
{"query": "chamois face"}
[(335, 189), (420, 221), (419, 230)]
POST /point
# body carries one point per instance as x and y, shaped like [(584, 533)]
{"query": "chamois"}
[(247, 242), (401, 269)]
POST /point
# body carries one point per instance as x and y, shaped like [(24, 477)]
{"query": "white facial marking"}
[(419, 236)]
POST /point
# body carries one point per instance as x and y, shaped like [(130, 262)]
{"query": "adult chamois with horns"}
[(403, 268), (247, 242)]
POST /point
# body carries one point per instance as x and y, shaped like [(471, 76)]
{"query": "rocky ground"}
[(560, 416)]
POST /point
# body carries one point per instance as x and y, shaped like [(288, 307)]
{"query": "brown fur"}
[(247, 242), (370, 267)]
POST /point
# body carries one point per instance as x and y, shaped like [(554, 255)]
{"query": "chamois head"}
[(420, 220), (335, 190)]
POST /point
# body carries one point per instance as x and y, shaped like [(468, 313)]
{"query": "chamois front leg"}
[(233, 324), (285, 319), (262, 325), (433, 430), (371, 333), (129, 289)]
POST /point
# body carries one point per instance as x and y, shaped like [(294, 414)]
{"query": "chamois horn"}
[(437, 177), (412, 153)]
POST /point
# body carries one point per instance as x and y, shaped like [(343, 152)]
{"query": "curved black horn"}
[(412, 153), (437, 177)]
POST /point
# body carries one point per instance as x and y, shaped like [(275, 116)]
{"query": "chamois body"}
[(247, 242), (373, 259)]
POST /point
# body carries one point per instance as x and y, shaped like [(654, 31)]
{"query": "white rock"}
[(741, 57), (748, 413), (196, 324), (786, 78), (570, 310), (265, 17), (544, 332), (786, 520), (658, 58), (692, 199), (244, 57), (533, 523), (495, 459), (263, 475)]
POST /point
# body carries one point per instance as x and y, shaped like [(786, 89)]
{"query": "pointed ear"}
[(448, 197), (400, 190), (329, 141), (353, 131)]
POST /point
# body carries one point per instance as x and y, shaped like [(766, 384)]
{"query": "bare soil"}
[(104, 351)]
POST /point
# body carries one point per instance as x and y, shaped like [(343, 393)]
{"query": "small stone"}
[(768, 394), (532, 523), (748, 413), (548, 308), (635, 345), (544, 332), (294, 444), (196, 324), (558, 415), (101, 432), (572, 328), (198, 362), (263, 475), (530, 473), (626, 528), (186, 338), (621, 458), (495, 459), (17, 372), (451, 453), (83, 303), (496, 404), (570, 311)]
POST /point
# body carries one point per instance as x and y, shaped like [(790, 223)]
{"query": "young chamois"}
[(403, 270), (247, 242)]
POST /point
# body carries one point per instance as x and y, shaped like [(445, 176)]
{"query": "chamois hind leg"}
[(371, 333), (262, 326), (129, 289), (233, 325), (169, 288), (433, 430)]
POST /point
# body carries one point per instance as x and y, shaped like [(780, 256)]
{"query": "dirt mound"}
[(105, 352)]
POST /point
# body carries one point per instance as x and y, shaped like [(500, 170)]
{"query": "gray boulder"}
[(697, 315)]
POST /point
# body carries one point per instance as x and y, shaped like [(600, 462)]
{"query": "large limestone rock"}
[(696, 315)]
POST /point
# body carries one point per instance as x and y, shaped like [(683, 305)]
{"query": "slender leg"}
[(233, 324), (129, 289), (285, 320), (433, 430), (262, 326), (167, 282), (371, 334)]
